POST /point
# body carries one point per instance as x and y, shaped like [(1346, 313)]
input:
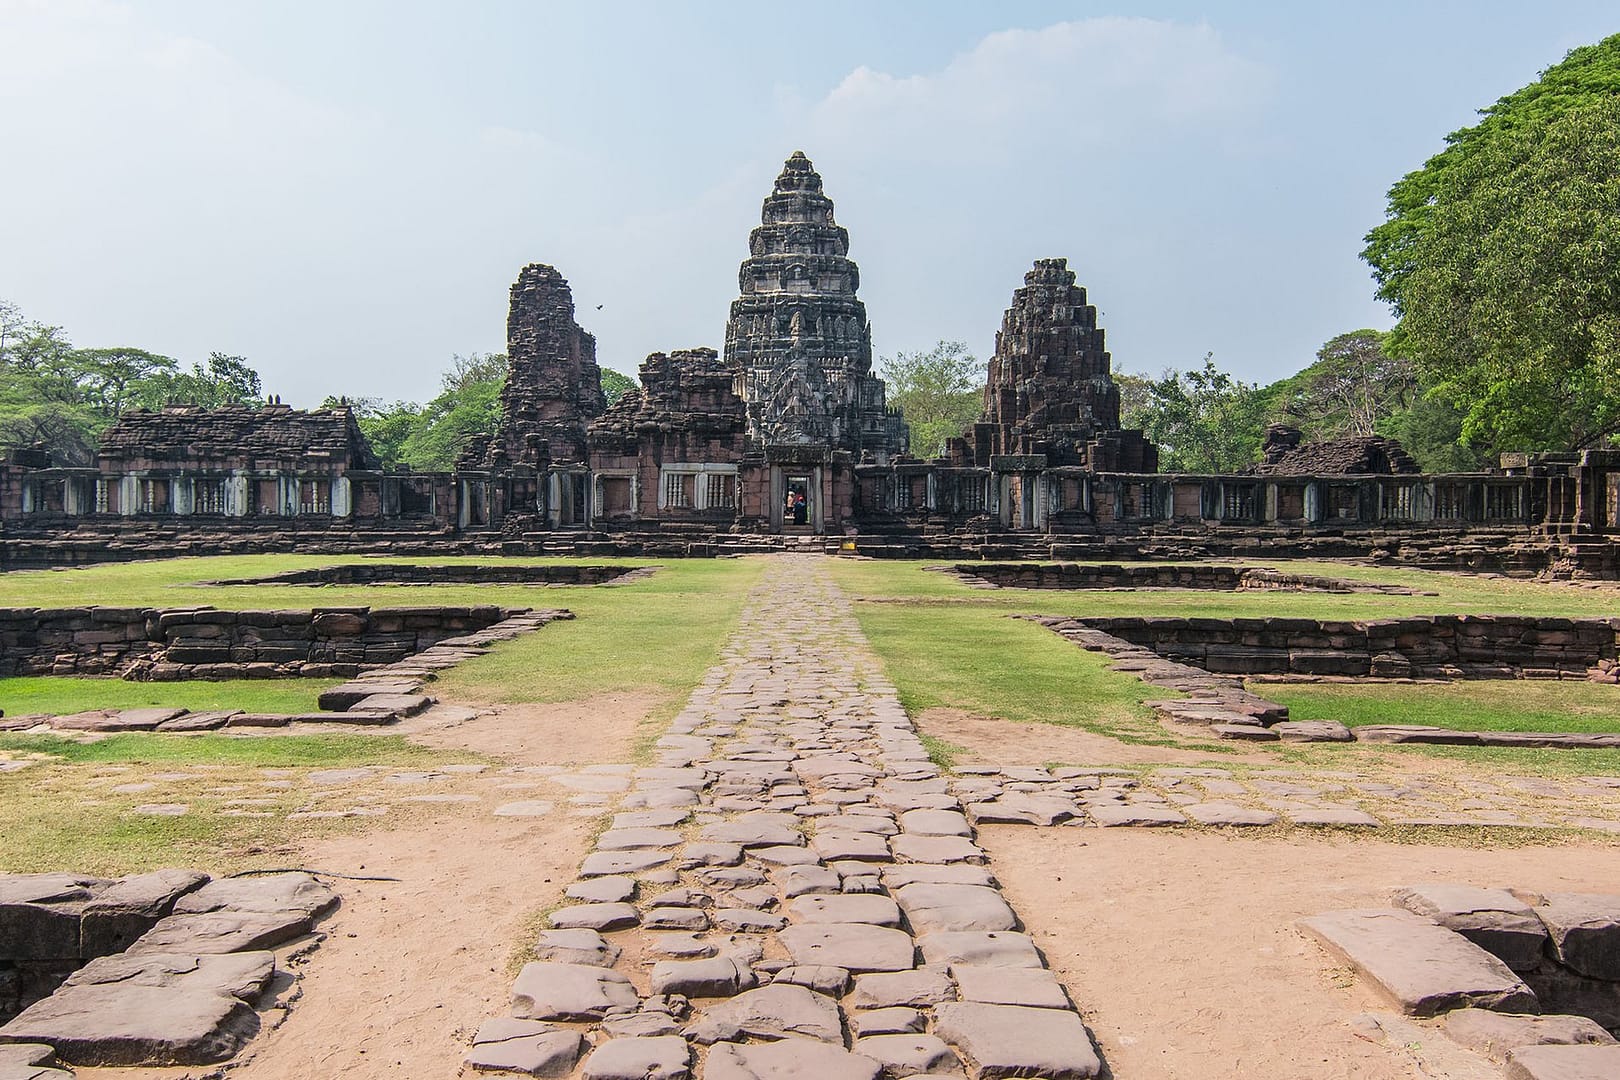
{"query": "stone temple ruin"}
[(713, 449)]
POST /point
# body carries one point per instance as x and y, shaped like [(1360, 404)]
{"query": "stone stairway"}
[(790, 891)]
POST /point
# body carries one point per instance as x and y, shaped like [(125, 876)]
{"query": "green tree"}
[(1353, 386), (615, 383), (940, 391), (1501, 256), (1204, 420)]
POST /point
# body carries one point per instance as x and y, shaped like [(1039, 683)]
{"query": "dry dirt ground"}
[(410, 968), (1180, 949)]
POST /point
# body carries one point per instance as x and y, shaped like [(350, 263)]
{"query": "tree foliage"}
[(430, 437), (1204, 420), (940, 391), (1501, 256), (62, 398), (615, 383), (1353, 387)]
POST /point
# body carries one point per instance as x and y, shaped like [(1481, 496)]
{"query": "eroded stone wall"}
[(205, 643)]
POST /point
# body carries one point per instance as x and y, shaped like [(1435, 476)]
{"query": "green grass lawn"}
[(62, 695), (967, 658), (656, 635), (1482, 705)]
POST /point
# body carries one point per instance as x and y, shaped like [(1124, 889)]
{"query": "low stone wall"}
[(206, 643), (1445, 646), (1218, 578), (457, 574)]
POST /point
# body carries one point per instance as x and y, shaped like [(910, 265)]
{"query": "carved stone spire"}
[(798, 341)]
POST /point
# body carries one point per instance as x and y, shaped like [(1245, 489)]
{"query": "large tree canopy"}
[(940, 391), (1203, 419), (62, 398), (1501, 257)]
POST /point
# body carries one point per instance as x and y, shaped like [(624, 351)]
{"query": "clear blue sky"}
[(343, 191)]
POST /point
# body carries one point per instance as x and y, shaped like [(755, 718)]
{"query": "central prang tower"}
[(797, 342)]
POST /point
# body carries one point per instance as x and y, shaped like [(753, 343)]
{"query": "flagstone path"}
[(792, 890)]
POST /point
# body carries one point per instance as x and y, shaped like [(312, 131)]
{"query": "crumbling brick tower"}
[(553, 384)]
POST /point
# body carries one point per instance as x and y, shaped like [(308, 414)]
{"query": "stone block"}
[(1011, 1041), (125, 910), (1493, 919), (1424, 968), (1585, 931)]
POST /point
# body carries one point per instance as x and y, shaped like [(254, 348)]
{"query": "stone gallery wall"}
[(1445, 646), (204, 643)]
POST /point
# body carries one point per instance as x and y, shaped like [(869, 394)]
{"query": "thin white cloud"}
[(1108, 77)]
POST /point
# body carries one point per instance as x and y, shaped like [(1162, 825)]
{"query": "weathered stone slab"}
[(790, 1059), (1332, 816), (1564, 1063), (935, 849), (1113, 815), (895, 1020), (856, 948), (663, 1057), (1493, 919), (754, 831), (777, 1011), (1033, 987), (1006, 1040), (822, 978), (576, 947), (199, 721), (854, 908), (910, 1054), (150, 1010), (840, 845), (1494, 1034), (129, 908), (1311, 731), (931, 908), (997, 949), (719, 976), (1585, 931), (505, 1044), (801, 880), (922, 986), (1018, 808), (214, 932), (1230, 814), (903, 874), (613, 863), (599, 917), (1426, 969), (927, 822), (546, 990), (30, 1061), (632, 839), (610, 889), (294, 891)]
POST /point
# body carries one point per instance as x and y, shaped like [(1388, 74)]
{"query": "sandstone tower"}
[(797, 341), (553, 384), (1050, 389)]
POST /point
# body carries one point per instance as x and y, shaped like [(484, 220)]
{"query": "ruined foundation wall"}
[(1446, 646), (204, 643)]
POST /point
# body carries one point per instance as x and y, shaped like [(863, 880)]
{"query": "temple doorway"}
[(798, 510)]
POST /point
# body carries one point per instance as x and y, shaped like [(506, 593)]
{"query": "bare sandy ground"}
[(1181, 952), (410, 968)]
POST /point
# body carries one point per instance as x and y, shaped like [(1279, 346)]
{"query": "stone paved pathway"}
[(791, 891)]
